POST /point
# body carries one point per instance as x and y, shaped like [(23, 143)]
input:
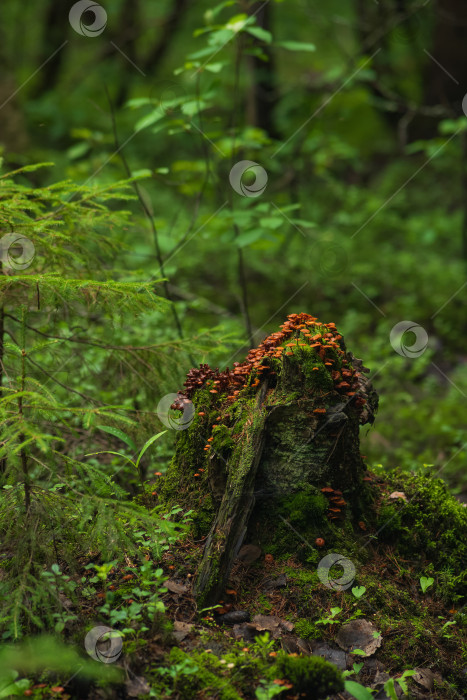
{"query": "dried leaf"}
[(359, 634), (174, 587)]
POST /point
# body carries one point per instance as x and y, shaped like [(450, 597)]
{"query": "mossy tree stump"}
[(283, 423)]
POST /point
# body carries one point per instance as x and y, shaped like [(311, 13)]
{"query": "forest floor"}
[(394, 631)]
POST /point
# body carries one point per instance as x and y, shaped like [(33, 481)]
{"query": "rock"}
[(246, 631), (334, 656), (273, 624), (234, 617), (249, 553), (181, 630), (359, 634), (278, 582), (373, 665)]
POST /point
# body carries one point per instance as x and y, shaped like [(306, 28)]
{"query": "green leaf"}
[(116, 432), (390, 689), (238, 22), (216, 10), (192, 107), (260, 33), (358, 591), (78, 150), (425, 583), (357, 691), (248, 238), (272, 222), (109, 452), (407, 674), (16, 688), (149, 119), (148, 444), (214, 67), (143, 172), (358, 652), (296, 46)]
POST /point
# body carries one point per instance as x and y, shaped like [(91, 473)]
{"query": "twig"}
[(150, 218)]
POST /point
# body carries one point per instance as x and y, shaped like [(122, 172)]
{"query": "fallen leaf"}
[(398, 494), (181, 630), (424, 677), (359, 634), (174, 587), (137, 686)]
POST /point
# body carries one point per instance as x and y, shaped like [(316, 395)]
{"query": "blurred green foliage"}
[(361, 222)]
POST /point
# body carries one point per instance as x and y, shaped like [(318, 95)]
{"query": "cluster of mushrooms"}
[(299, 330)]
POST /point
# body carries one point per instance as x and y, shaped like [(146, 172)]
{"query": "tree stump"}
[(275, 436)]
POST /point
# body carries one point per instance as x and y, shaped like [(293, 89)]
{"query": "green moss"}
[(306, 629), (211, 678), (431, 526), (304, 577), (305, 508), (222, 439), (310, 675), (232, 676)]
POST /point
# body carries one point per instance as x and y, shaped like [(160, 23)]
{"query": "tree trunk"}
[(264, 93), (281, 425)]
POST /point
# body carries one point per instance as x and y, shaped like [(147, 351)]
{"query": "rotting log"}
[(283, 423)]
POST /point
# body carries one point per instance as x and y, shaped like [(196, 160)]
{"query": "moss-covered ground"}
[(409, 553)]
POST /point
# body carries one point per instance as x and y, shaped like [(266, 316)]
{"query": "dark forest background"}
[(353, 109)]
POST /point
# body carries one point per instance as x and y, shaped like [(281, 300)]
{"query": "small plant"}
[(358, 591), (186, 667), (53, 506), (445, 627), (356, 690), (125, 438), (140, 606), (263, 645), (425, 583), (59, 585), (356, 668), (9, 685), (390, 687), (269, 689), (330, 619)]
